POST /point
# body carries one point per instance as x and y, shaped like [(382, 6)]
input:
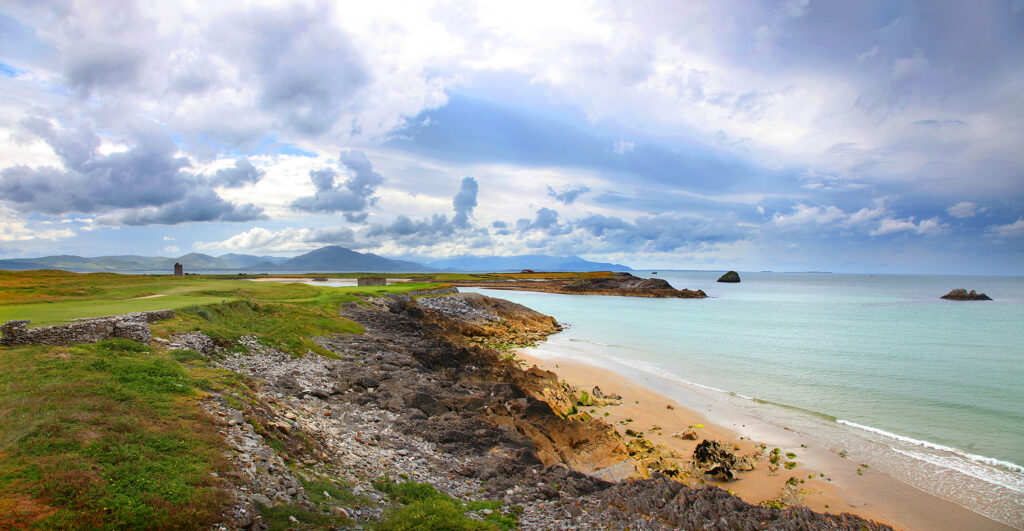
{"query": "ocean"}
[(879, 367)]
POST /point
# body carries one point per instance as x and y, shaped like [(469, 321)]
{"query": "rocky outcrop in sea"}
[(961, 294), (730, 277)]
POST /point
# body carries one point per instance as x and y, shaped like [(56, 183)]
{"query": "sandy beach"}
[(831, 483)]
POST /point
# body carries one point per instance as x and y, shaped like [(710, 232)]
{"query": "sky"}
[(883, 137)]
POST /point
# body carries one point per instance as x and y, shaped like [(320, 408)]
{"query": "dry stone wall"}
[(134, 326)]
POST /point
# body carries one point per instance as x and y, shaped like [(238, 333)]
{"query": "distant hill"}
[(325, 259), (132, 263), (334, 258), (536, 262)]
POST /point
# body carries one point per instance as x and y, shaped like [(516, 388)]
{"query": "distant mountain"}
[(132, 263), (334, 258), (325, 259), (536, 262)]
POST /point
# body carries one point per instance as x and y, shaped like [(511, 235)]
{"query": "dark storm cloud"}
[(147, 184), (102, 66), (464, 202), (570, 195), (351, 197), (148, 174), (242, 174), (200, 205)]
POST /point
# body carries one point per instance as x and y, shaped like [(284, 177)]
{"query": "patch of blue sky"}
[(468, 129), (7, 70)]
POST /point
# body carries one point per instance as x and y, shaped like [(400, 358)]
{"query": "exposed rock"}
[(411, 397), (623, 284), (961, 294), (730, 276), (669, 504), (688, 435), (134, 326), (717, 458), (196, 341)]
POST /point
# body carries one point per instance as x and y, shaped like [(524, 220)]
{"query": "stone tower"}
[(178, 270)]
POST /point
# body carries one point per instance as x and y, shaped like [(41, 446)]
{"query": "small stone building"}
[(179, 270), (372, 281)]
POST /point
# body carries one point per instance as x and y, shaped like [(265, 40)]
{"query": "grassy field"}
[(105, 436), (111, 435), (52, 297)]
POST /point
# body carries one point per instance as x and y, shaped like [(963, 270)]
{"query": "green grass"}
[(105, 436), (111, 436), (52, 297), (422, 508)]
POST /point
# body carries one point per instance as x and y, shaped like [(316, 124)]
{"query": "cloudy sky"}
[(788, 135)]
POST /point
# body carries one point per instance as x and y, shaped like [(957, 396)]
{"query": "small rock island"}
[(731, 276), (960, 294)]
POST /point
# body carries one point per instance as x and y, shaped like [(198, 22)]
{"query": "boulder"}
[(731, 276), (715, 458), (961, 294), (688, 435)]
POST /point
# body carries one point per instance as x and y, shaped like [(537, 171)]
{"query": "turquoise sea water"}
[(931, 389)]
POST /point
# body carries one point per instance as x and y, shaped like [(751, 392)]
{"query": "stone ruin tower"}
[(179, 270)]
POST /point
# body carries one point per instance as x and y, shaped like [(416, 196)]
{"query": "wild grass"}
[(422, 508), (105, 436), (110, 435)]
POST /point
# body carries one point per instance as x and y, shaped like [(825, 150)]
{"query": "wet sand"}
[(870, 494)]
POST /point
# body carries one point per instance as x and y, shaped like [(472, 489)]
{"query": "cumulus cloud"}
[(146, 184), (259, 239), (352, 196), (15, 228), (464, 202), (242, 174), (1009, 231), (197, 205), (962, 210), (545, 220), (570, 195), (802, 214), (875, 220), (929, 226), (661, 233)]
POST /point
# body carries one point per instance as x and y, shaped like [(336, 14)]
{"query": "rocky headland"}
[(621, 284), (432, 391), (961, 294)]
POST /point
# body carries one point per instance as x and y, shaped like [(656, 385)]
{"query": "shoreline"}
[(872, 495)]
